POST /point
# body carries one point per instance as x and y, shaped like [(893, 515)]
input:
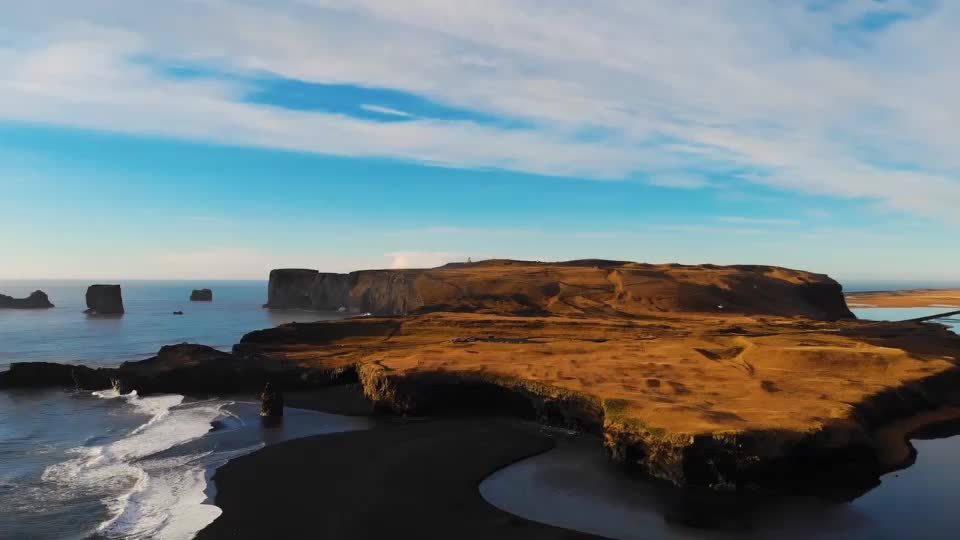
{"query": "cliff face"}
[(36, 300), (291, 288), (575, 288)]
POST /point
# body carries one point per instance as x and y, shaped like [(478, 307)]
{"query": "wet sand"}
[(346, 400), (896, 451), (410, 480), (575, 486)]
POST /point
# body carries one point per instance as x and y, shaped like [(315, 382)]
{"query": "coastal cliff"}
[(731, 378), (574, 288)]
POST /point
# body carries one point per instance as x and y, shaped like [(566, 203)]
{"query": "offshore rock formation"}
[(201, 295), (593, 288), (104, 300), (36, 300)]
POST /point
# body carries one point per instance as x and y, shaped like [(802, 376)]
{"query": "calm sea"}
[(80, 465), (65, 334), (98, 465)]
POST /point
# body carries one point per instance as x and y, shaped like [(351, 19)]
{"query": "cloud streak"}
[(854, 100)]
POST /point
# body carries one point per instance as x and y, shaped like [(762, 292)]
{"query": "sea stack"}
[(271, 402), (201, 295), (36, 300), (104, 300)]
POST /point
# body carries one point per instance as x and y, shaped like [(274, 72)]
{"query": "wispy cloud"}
[(678, 181), (453, 230), (802, 100), (385, 110), (429, 259), (207, 219), (758, 221)]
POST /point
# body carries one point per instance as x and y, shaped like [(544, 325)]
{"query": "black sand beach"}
[(411, 480)]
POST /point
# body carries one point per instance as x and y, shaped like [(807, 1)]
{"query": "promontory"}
[(727, 377)]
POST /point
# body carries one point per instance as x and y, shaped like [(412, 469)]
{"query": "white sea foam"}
[(107, 394), (148, 495)]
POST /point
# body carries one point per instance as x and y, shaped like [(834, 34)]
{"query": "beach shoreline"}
[(415, 479), (420, 477)]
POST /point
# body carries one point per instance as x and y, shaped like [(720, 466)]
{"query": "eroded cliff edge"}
[(726, 402), (576, 288), (727, 377), (724, 377)]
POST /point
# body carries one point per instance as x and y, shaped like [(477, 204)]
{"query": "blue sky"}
[(235, 137)]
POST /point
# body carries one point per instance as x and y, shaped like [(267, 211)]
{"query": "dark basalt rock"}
[(201, 295), (104, 300), (271, 401), (36, 300), (48, 374), (289, 288), (184, 368), (191, 368)]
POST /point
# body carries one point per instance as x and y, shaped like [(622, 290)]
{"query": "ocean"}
[(65, 334), (82, 464), (97, 465)]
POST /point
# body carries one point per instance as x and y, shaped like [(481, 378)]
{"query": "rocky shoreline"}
[(846, 454), (744, 400)]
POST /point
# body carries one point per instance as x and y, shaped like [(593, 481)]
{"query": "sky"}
[(220, 139)]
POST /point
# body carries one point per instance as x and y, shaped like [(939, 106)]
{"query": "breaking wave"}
[(152, 481)]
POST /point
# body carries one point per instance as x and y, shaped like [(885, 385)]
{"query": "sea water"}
[(65, 334), (96, 464)]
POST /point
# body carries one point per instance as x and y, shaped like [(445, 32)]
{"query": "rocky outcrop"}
[(201, 295), (575, 288), (191, 368), (36, 300), (48, 374), (104, 300), (271, 401), (184, 368)]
